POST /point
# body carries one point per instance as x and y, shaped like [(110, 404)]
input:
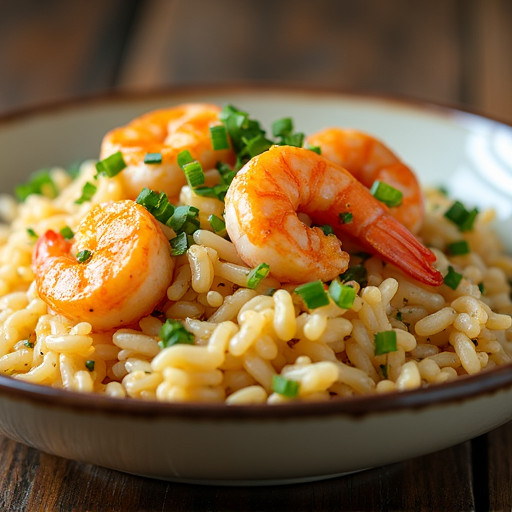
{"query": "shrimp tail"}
[(394, 243)]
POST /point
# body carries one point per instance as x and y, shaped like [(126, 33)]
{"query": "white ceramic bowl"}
[(468, 154)]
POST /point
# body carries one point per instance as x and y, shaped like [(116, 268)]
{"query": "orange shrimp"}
[(368, 160), (126, 276), (168, 132), (261, 219)]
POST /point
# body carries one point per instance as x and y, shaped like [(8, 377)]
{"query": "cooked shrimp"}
[(125, 277), (168, 132), (261, 219), (368, 160)]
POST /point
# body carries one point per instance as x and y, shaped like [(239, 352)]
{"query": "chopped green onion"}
[(156, 203), (28, 344), (386, 194), (452, 278), (343, 295), (67, 233), (194, 173), (83, 256), (282, 127), (357, 273), (173, 333), (257, 145), (481, 288), (284, 386), (31, 233), (39, 183), (327, 229), (313, 294), (89, 364), (458, 214), (256, 275), (219, 137), (346, 217), (315, 149), (153, 158), (398, 316), (458, 248), (184, 157), (218, 225), (184, 218), (385, 341), (179, 244), (88, 191), (112, 165), (384, 370)]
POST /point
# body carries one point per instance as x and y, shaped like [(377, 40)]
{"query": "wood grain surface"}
[(454, 52)]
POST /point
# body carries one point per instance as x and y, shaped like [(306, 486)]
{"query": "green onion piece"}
[(83, 256), (218, 225), (148, 198), (458, 214), (343, 295), (294, 139), (28, 344), (194, 173), (282, 127), (185, 217), (313, 294), (179, 244), (184, 158), (219, 137), (173, 332), (31, 233), (256, 275), (385, 342), (156, 203), (39, 183), (458, 248), (67, 233), (452, 278), (398, 316), (386, 194), (88, 191), (153, 158), (346, 217), (357, 273), (384, 370), (481, 288), (327, 229), (257, 145), (284, 386), (315, 149), (89, 364), (112, 165)]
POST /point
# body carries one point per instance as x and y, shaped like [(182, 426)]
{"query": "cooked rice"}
[(244, 337)]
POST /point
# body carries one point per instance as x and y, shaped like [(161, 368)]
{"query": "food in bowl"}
[(202, 260)]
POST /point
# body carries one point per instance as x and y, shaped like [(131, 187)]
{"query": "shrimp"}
[(261, 219), (168, 132), (126, 276), (368, 159)]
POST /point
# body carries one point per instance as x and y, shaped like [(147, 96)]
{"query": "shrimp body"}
[(168, 132), (368, 160), (126, 276), (261, 219)]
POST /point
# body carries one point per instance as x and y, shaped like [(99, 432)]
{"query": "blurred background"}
[(454, 52)]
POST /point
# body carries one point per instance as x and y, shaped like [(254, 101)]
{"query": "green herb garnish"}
[(256, 275), (39, 183), (88, 191), (313, 294), (153, 158), (67, 233), (346, 217), (463, 218), (452, 279), (458, 248), (385, 342), (284, 386), (112, 165), (89, 364), (173, 333), (386, 194), (83, 256), (343, 295)]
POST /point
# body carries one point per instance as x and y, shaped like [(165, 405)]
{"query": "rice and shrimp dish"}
[(199, 258)]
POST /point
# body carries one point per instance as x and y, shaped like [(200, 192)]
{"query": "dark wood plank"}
[(37, 481), (499, 468), (57, 49)]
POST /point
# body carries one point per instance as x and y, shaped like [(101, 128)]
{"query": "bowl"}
[(469, 155)]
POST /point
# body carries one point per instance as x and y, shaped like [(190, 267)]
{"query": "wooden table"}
[(449, 51)]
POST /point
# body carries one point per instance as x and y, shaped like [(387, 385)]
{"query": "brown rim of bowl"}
[(457, 391)]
